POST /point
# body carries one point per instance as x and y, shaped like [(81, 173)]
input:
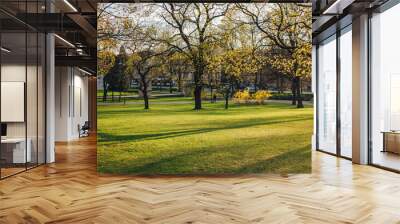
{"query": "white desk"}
[(19, 154)]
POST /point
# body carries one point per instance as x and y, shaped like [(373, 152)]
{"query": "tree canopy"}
[(207, 41)]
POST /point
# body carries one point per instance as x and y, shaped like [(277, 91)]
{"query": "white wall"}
[(71, 102), (12, 73), (62, 82)]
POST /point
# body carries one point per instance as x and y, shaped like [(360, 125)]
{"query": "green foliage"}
[(289, 96), (105, 61), (209, 44), (118, 76)]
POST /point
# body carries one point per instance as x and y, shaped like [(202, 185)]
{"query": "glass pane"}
[(13, 86), (385, 89), (32, 98), (346, 93), (41, 99), (327, 96), (23, 87)]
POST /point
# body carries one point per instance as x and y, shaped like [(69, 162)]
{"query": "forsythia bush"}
[(261, 95), (244, 96), (241, 96)]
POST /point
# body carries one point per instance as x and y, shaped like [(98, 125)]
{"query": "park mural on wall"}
[(204, 88)]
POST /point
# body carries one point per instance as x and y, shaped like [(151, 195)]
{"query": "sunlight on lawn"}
[(174, 139)]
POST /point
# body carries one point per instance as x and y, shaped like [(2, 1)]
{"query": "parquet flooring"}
[(70, 191)]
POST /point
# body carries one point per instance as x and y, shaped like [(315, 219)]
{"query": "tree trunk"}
[(211, 95), (256, 82), (145, 96), (120, 95), (280, 84), (227, 97), (298, 93), (294, 91), (197, 97), (146, 101), (198, 74), (170, 86), (112, 95), (104, 91), (179, 82), (228, 94)]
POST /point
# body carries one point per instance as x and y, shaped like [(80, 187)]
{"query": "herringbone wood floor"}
[(70, 191)]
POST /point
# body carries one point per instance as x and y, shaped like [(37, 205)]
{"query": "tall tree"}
[(105, 62), (146, 59), (235, 56), (233, 64), (114, 22), (144, 66), (113, 26), (192, 26), (117, 78), (288, 27), (176, 64)]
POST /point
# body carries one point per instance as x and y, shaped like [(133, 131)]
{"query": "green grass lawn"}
[(100, 93), (134, 92), (140, 100), (174, 139)]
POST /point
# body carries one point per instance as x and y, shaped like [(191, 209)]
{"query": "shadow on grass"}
[(109, 137), (289, 162), (293, 161), (209, 109)]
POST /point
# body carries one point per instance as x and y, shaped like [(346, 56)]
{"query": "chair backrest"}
[(86, 125)]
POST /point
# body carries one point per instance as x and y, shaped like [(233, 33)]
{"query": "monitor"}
[(3, 129)]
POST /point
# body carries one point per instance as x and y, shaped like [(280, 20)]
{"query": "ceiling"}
[(74, 22), (332, 15)]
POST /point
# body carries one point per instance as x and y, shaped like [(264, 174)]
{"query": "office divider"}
[(22, 77)]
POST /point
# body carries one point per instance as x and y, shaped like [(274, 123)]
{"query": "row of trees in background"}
[(219, 45)]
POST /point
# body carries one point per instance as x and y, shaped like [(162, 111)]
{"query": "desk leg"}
[(384, 142)]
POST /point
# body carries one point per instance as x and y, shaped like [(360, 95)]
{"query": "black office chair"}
[(84, 130)]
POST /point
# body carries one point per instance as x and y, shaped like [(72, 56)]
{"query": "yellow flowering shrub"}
[(245, 97), (242, 96), (261, 95)]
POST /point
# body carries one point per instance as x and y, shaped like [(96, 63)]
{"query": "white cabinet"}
[(19, 155)]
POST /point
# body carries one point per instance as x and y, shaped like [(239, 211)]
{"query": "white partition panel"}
[(12, 101)]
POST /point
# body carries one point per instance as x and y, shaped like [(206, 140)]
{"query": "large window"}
[(327, 95), (346, 92), (385, 89), (335, 61)]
